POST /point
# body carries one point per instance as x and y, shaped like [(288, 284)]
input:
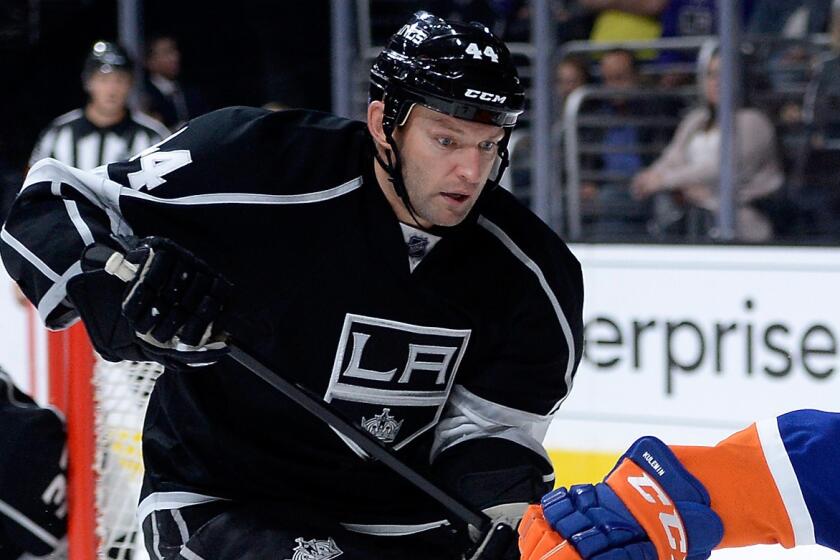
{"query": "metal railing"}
[(565, 209), (573, 121)]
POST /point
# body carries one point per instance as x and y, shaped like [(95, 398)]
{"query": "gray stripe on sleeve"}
[(468, 416)]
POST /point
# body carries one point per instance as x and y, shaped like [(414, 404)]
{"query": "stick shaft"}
[(324, 412)]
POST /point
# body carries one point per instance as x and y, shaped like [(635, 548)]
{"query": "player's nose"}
[(469, 165)]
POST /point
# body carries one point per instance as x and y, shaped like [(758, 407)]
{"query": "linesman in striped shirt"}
[(105, 129)]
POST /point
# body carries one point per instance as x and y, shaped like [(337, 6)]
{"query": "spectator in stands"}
[(105, 130), (614, 211), (625, 20), (789, 18), (788, 64), (164, 97), (814, 176), (822, 96), (689, 169), (571, 73), (683, 18)]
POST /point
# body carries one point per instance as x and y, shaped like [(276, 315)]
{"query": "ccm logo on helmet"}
[(485, 96)]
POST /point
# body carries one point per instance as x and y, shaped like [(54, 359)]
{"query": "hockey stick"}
[(495, 536)]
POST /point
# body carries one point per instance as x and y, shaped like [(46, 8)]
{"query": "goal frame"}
[(70, 366)]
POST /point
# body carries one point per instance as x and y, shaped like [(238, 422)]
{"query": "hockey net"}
[(104, 404)]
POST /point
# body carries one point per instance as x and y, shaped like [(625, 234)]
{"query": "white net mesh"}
[(121, 393)]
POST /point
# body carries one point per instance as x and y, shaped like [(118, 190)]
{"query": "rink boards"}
[(691, 343)]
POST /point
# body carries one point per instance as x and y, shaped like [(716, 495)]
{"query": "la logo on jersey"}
[(394, 378)]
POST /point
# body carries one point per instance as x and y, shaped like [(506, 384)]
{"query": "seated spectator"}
[(789, 18), (788, 64), (613, 210), (634, 20), (164, 97), (814, 174), (683, 18), (689, 169), (625, 20), (571, 73), (822, 96)]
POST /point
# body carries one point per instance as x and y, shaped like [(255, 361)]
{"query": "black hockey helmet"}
[(462, 70), (106, 57)]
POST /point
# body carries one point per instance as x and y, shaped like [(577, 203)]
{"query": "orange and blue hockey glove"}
[(649, 507)]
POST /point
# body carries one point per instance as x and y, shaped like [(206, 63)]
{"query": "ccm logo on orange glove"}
[(652, 508), (648, 508)]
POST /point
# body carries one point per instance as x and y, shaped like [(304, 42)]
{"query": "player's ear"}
[(375, 112)]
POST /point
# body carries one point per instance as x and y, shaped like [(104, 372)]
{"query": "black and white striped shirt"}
[(74, 140)]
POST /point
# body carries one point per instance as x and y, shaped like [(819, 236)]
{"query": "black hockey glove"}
[(174, 302)]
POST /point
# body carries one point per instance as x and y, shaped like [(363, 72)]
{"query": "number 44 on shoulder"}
[(154, 164)]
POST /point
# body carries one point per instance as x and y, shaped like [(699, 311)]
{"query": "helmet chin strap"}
[(393, 167)]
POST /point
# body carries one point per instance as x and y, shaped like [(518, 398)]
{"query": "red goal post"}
[(104, 404)]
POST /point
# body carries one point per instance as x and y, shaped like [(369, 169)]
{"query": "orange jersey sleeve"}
[(742, 488)]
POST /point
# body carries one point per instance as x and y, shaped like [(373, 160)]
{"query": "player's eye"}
[(445, 141), (487, 146)]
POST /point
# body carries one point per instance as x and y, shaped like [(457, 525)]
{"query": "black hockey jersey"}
[(459, 363), (33, 476)]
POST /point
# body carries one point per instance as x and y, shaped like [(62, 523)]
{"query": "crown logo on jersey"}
[(383, 427), (315, 549)]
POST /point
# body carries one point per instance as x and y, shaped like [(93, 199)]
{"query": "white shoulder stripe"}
[(561, 317), (250, 198), (786, 481)]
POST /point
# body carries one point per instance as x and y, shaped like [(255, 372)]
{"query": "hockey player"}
[(379, 266), (105, 129), (33, 477), (773, 483)]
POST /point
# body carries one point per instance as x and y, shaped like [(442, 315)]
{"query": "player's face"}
[(446, 163), (109, 92)]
